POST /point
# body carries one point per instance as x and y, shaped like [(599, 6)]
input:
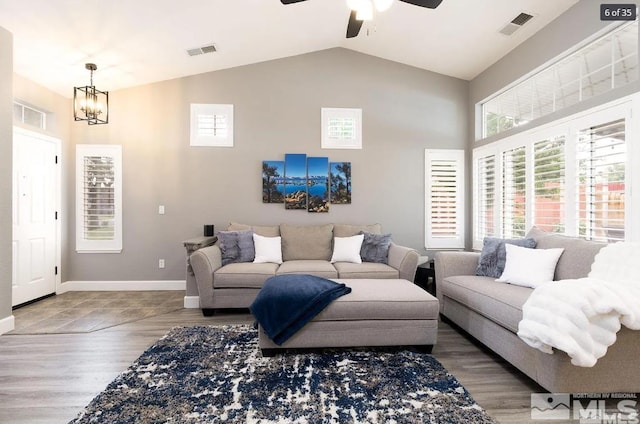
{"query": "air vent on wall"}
[(516, 24), (201, 50)]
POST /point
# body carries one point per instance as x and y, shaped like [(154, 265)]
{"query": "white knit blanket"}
[(581, 317)]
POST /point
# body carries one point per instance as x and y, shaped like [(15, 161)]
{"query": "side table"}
[(426, 277), (191, 246)]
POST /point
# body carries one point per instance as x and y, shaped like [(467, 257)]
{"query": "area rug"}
[(218, 375)]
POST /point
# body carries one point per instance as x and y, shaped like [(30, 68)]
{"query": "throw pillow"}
[(268, 249), (493, 255), (529, 267), (236, 246), (347, 249), (375, 247)]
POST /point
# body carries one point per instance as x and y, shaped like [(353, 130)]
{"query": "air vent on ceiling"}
[(516, 24), (201, 50)]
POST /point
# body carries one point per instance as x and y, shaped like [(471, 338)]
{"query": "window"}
[(211, 125), (27, 115), (444, 208), (610, 61), (601, 160), (98, 198), (341, 128), (570, 177)]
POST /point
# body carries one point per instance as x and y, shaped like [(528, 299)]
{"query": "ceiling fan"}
[(362, 10)]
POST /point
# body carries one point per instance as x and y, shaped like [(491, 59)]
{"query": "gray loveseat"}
[(305, 250), (490, 312)]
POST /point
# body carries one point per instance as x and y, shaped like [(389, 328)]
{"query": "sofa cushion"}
[(315, 267), (243, 275), (577, 257), (265, 231), (365, 270), (494, 256), (499, 302), (306, 242), (381, 300), (375, 247), (236, 246), (346, 230)]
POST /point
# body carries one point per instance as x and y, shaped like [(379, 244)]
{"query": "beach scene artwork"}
[(318, 184), (273, 181), (295, 181), (340, 175)]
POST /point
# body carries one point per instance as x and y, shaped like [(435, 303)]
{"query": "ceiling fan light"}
[(382, 5), (365, 13)]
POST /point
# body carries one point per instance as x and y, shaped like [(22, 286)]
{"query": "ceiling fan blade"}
[(291, 1), (430, 4), (354, 25)]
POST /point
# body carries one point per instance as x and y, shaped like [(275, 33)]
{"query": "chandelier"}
[(364, 8), (90, 104)]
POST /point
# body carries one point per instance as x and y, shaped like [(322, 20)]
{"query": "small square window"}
[(211, 125), (341, 128)]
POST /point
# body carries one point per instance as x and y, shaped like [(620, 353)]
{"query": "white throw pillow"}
[(347, 249), (529, 267), (268, 249)]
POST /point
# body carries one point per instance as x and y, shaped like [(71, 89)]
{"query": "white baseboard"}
[(7, 324), (192, 302), (121, 285)]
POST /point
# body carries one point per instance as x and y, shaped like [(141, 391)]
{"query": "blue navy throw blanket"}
[(287, 302)]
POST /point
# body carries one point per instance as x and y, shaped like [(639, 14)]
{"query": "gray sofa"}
[(490, 312), (305, 250)]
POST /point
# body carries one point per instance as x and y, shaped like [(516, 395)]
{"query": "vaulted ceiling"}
[(143, 41)]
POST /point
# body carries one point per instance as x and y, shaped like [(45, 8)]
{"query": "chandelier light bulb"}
[(382, 5)]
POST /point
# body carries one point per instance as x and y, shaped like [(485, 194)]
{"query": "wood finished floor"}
[(49, 378)]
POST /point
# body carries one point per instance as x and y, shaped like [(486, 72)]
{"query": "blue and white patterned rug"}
[(218, 375)]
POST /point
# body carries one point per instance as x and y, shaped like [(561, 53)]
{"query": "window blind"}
[(485, 195), (601, 158), (514, 196), (444, 217), (99, 198), (549, 184)]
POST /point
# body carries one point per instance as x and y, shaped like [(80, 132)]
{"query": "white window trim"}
[(621, 108), (197, 139), (434, 241), (326, 114), (98, 246)]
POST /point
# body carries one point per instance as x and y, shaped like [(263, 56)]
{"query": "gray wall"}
[(572, 27), (6, 146), (276, 111)]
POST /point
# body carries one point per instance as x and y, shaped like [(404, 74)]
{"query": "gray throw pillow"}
[(236, 246), (494, 255), (375, 247)]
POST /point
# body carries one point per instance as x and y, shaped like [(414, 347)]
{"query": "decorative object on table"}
[(273, 181), (340, 174), (89, 103), (295, 181), (208, 230), (318, 184), (216, 374)]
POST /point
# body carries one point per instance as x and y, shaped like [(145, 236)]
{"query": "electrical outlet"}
[(161, 210), (161, 263)]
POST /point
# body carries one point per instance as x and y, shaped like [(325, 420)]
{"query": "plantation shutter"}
[(98, 198), (485, 197), (444, 208), (601, 156), (549, 184), (514, 196)]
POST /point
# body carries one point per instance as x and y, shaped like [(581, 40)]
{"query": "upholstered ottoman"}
[(377, 312)]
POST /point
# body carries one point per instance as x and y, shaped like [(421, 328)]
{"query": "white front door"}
[(35, 190)]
